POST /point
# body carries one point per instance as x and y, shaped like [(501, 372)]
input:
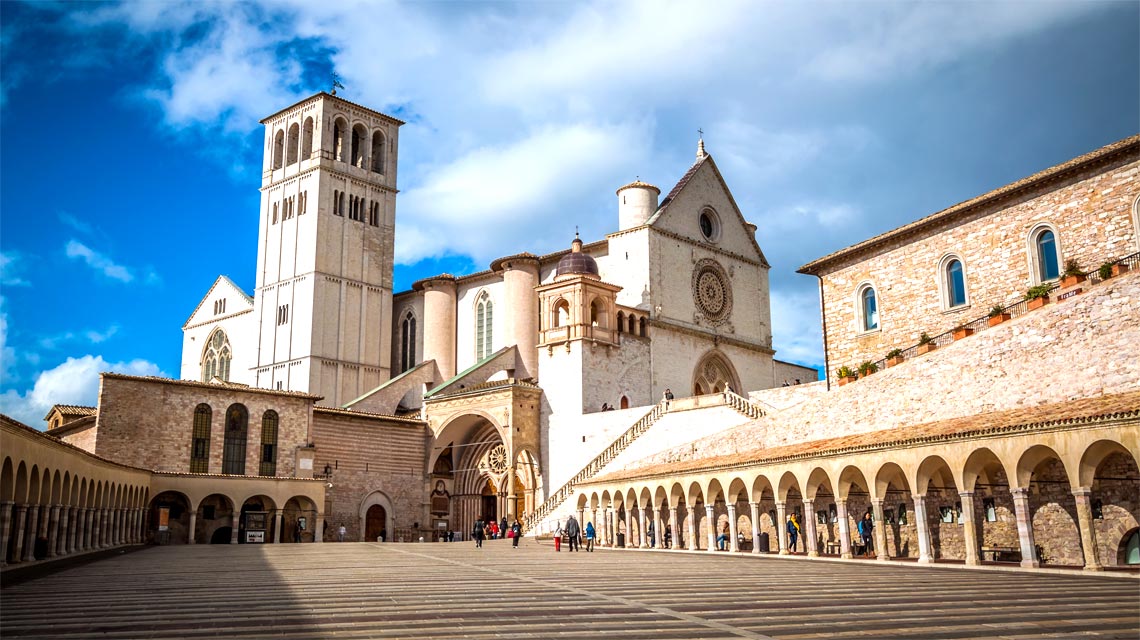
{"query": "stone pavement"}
[(368, 590)]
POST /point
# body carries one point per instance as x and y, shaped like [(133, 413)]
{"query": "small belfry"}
[(578, 305)]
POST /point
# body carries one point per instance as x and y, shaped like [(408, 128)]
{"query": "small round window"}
[(710, 225)]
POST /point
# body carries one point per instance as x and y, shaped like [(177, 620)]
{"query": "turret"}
[(637, 201)]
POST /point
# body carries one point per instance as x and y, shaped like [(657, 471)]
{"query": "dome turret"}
[(577, 263)]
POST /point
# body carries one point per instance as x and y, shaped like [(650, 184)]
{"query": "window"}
[(378, 152), (274, 213), (336, 203), (359, 135), (561, 313), (307, 140), (219, 306), (642, 327), (304, 202), (709, 223), (598, 314), (294, 143), (268, 444), (339, 128), (955, 283), (340, 205), (1048, 258), (902, 513), (868, 308), (278, 148), (990, 509), (216, 357), (374, 214), (282, 314), (233, 454), (483, 326), (200, 443), (620, 321), (408, 342), (632, 325)]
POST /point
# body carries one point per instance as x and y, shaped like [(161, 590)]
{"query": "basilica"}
[(982, 396)]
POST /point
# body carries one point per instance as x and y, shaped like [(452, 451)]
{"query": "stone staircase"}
[(739, 404)]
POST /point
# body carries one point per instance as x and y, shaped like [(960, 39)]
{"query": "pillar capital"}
[(1082, 492), (1020, 492), (965, 494)]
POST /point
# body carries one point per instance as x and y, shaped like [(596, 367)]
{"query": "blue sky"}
[(130, 147)]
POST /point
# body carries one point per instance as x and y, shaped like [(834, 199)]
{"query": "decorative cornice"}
[(369, 415), (329, 96), (224, 386), (671, 325), (710, 248)]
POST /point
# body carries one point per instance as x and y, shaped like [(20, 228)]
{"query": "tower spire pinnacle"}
[(701, 144)]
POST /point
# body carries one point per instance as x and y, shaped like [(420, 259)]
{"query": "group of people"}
[(483, 530), (788, 385)]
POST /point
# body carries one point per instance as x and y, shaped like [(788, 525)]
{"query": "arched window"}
[(268, 444), (339, 129), (200, 444), (483, 326), (561, 313), (624, 403), (632, 325), (233, 454), (620, 322), (955, 283), (278, 148), (1047, 255), (868, 308), (643, 324), (340, 205), (359, 139), (408, 342), (294, 144), (216, 357), (598, 314), (378, 152), (307, 139)]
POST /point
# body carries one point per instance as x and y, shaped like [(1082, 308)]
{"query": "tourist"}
[(785, 383), (478, 533), (494, 530), (667, 537), (797, 380), (340, 533), (651, 534), (793, 533), (503, 528), (722, 539), (516, 533), (866, 529), (573, 533), (668, 397), (590, 535), (605, 406)]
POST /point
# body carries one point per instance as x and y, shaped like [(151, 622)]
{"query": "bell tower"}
[(323, 297)]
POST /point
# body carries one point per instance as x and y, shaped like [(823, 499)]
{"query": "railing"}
[(594, 466), (743, 405), (1019, 308)]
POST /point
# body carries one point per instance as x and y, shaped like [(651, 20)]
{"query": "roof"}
[(214, 386), (220, 279), (1121, 149), (677, 188), (71, 410), (326, 94), (638, 184), (1121, 406), (365, 414)]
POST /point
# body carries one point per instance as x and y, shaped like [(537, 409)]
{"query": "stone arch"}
[(1110, 474), (299, 519), (696, 527), (1036, 261), (177, 518), (899, 532), (713, 371), (258, 513), (982, 464), (292, 148), (359, 157), (7, 481), (378, 153), (215, 520), (377, 498), (1094, 455)]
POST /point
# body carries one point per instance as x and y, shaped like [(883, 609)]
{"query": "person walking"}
[(573, 534), (477, 534), (516, 533), (866, 531), (667, 537), (494, 530), (590, 535), (793, 533), (652, 535), (722, 539), (668, 397), (503, 528)]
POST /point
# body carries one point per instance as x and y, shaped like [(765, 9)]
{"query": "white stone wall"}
[(570, 442), (468, 293), (608, 373)]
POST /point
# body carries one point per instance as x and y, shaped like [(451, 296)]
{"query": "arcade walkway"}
[(368, 590)]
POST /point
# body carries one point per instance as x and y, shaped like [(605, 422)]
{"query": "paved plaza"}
[(368, 590)]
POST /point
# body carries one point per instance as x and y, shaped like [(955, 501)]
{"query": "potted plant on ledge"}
[(845, 375), (1037, 296), (962, 331), (925, 344), (1073, 274), (998, 315), (894, 357), (867, 368), (1106, 271)]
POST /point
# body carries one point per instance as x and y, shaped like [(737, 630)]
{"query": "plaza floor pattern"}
[(444, 591)]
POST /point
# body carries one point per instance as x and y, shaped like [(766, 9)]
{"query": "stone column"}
[(53, 531), (597, 529), (96, 527), (72, 530), (922, 523), (673, 527), (193, 529), (809, 529), (5, 530), (970, 528), (138, 528), (844, 529), (710, 516), (755, 506), (89, 529), (693, 533), (653, 540), (611, 539), (880, 530), (732, 546), (319, 532), (582, 520), (439, 322), (30, 538), (235, 519), (782, 527), (644, 542), (18, 543), (1088, 532), (277, 524), (1025, 528)]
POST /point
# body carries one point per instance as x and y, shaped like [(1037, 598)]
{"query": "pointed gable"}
[(224, 299), (703, 187)]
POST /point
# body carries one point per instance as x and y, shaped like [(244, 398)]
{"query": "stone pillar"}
[(970, 528), (710, 517), (193, 529), (597, 529), (72, 530), (89, 529), (673, 527), (1025, 528), (643, 543), (755, 506), (30, 537), (53, 531), (782, 527), (18, 528), (116, 527), (653, 540), (277, 523), (235, 519), (844, 529), (880, 530), (319, 532), (96, 528), (693, 533), (809, 529), (922, 523), (582, 520), (520, 277), (5, 530), (1088, 532), (732, 546), (439, 322), (611, 540)]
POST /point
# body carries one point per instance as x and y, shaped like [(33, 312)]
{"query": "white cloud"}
[(75, 381), (796, 333), (10, 268), (90, 335), (98, 261), (7, 354), (75, 223)]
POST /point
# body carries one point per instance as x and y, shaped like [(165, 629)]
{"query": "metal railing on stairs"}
[(594, 466)]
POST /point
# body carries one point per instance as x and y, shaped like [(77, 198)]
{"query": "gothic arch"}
[(376, 498), (713, 371)]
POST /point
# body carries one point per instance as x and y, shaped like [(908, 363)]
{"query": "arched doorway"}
[(713, 373), (375, 524), (169, 519), (1130, 549), (258, 520), (488, 505), (299, 520)]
